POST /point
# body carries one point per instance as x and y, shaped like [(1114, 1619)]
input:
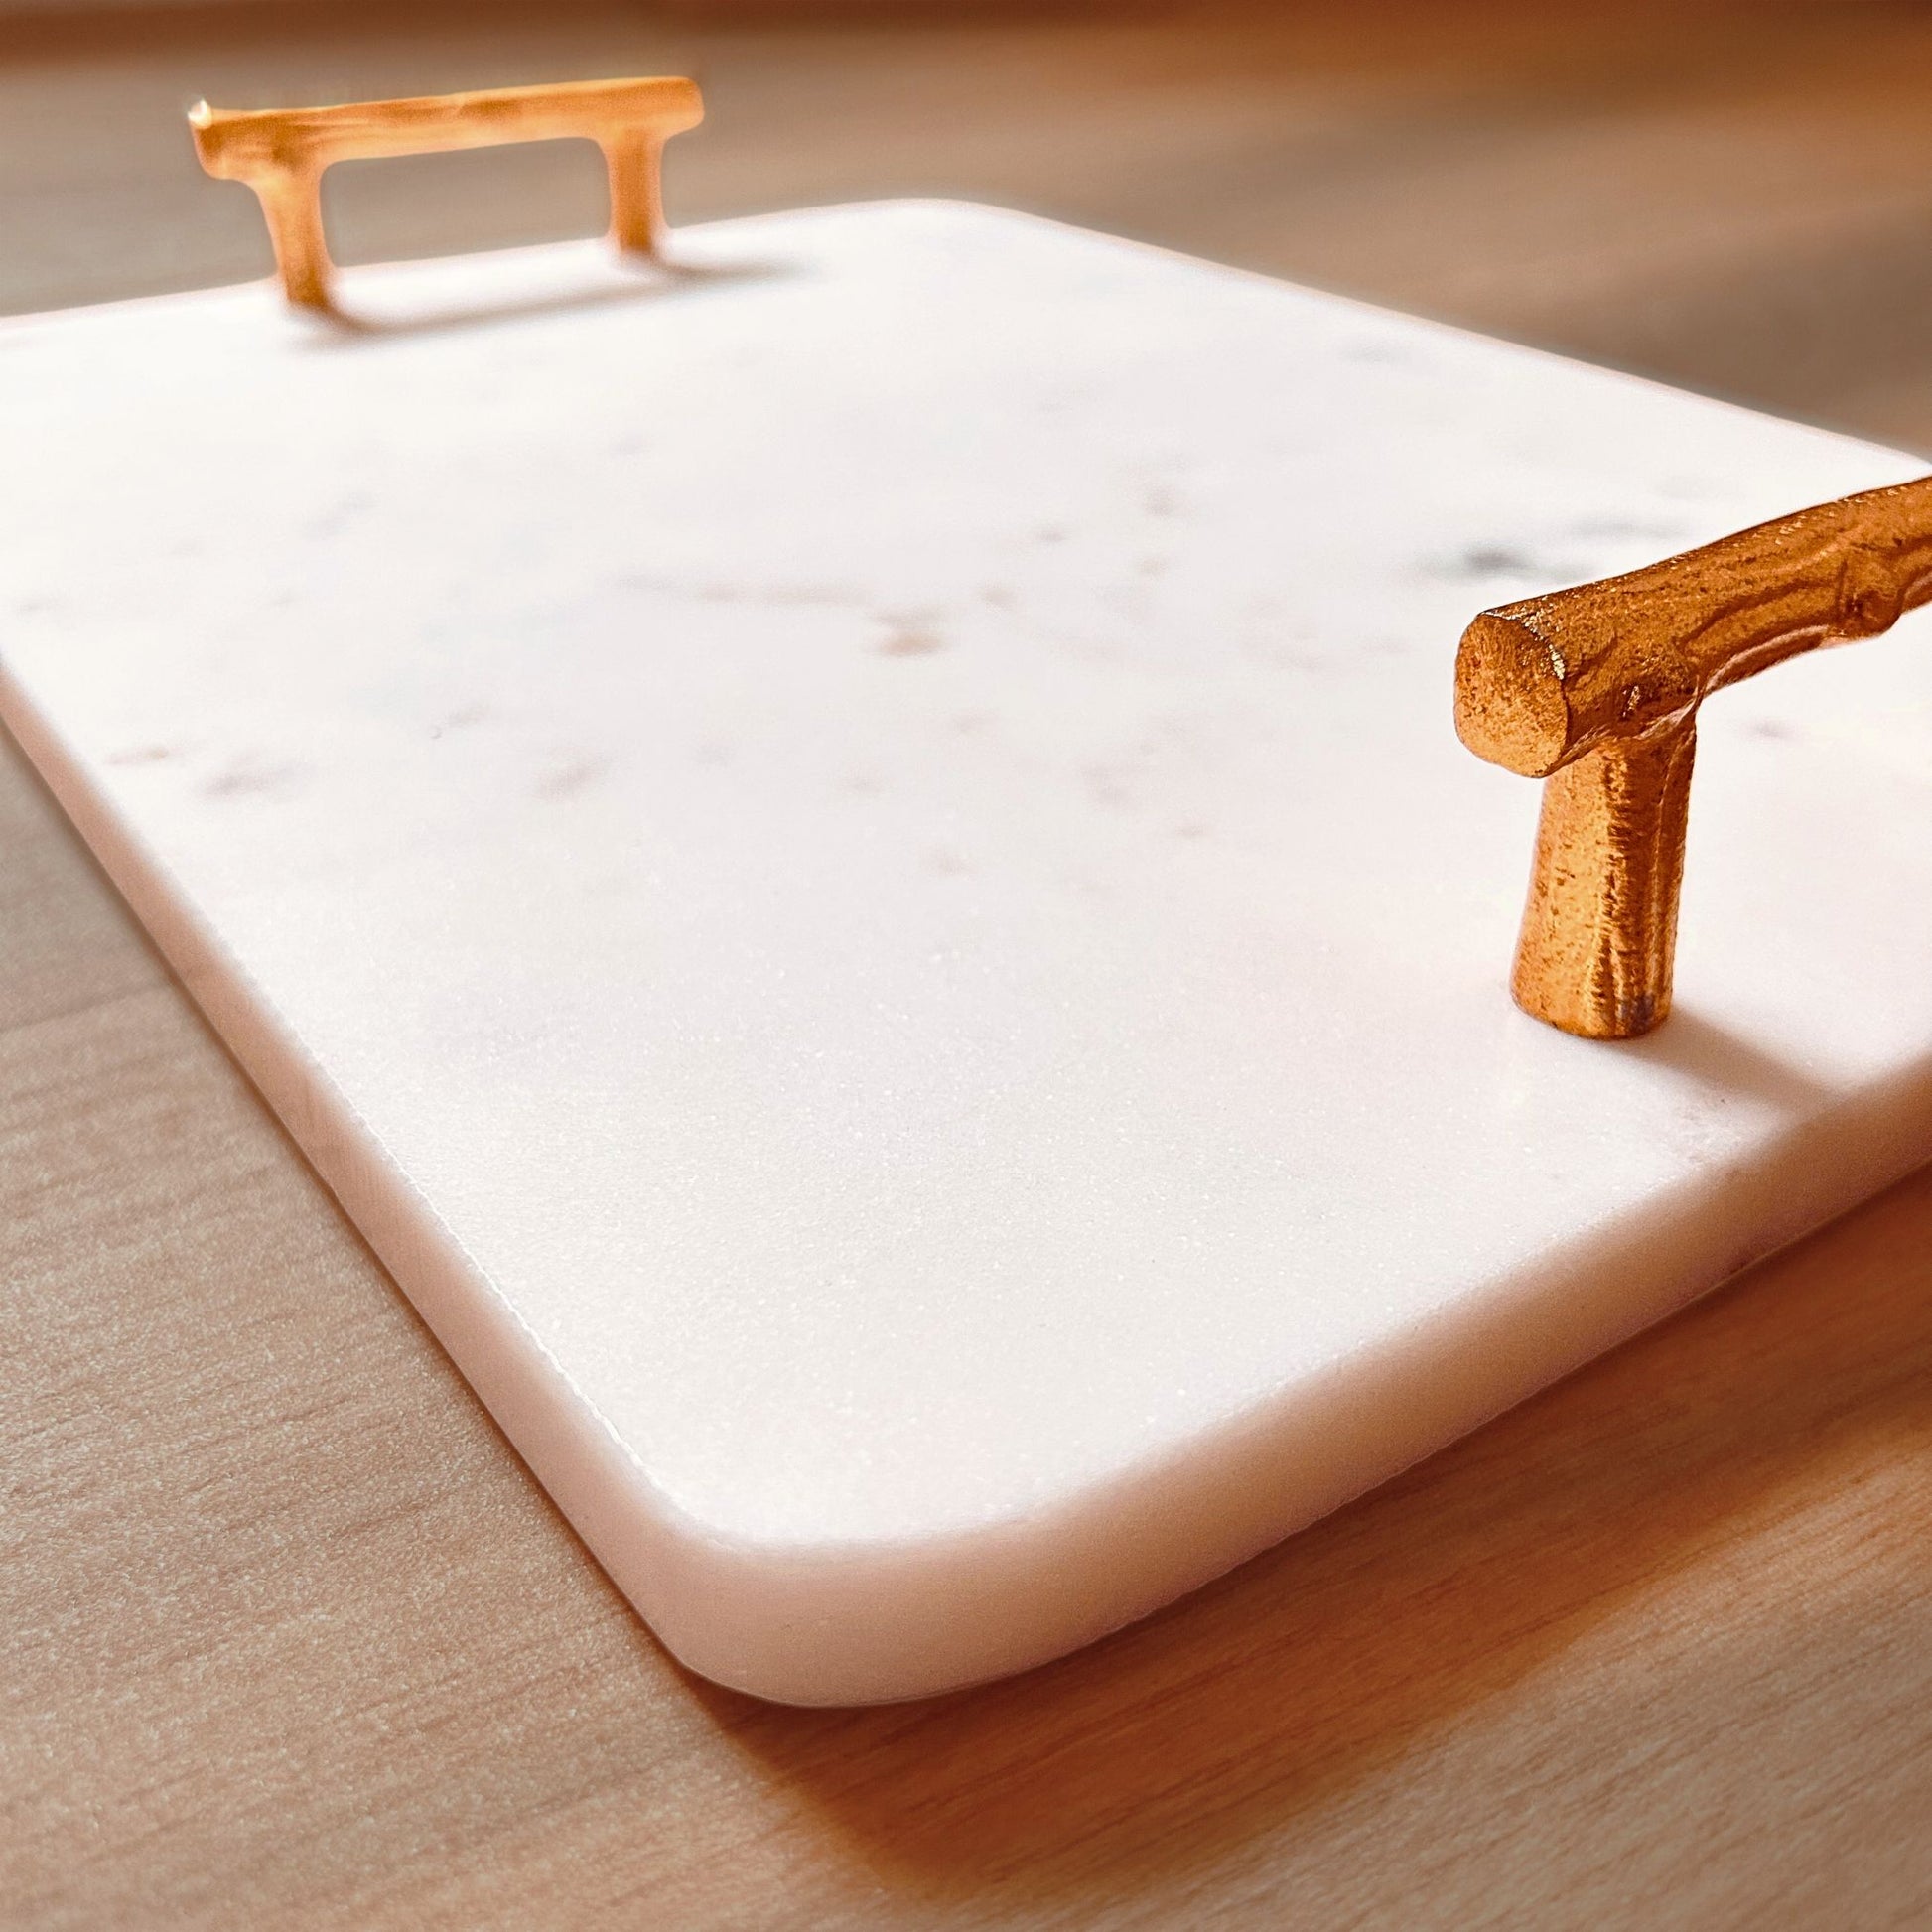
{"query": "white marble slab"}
[(855, 865)]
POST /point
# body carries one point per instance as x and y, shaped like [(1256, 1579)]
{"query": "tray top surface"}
[(873, 826)]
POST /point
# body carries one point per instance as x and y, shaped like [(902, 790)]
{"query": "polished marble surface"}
[(852, 861)]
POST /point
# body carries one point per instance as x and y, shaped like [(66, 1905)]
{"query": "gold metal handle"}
[(281, 152), (1595, 691)]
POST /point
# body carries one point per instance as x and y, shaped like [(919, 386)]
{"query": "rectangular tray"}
[(853, 862)]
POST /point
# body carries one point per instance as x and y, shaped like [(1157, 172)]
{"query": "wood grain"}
[(287, 1635)]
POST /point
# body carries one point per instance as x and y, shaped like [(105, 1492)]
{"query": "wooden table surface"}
[(288, 1637)]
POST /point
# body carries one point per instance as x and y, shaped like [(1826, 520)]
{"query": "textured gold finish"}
[(281, 152), (1596, 690)]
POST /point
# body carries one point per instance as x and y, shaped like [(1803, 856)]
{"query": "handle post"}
[(635, 166), (291, 202), (1600, 932)]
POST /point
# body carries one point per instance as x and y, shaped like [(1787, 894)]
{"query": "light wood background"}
[(289, 1638)]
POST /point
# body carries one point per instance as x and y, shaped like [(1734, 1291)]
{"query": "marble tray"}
[(853, 862)]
